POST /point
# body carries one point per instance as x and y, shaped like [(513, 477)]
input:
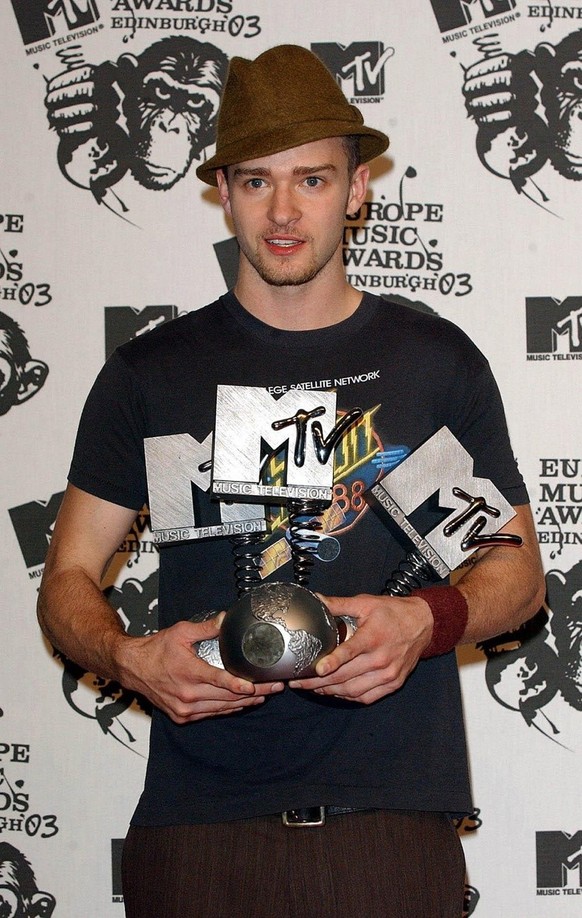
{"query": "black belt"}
[(312, 816)]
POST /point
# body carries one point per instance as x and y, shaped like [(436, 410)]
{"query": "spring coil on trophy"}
[(247, 562), (303, 526), (408, 576)]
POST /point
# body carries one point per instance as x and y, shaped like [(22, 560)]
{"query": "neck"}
[(319, 303)]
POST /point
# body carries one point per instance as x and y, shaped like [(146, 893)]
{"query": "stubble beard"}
[(286, 274)]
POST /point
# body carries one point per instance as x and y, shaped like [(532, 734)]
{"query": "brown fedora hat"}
[(284, 98)]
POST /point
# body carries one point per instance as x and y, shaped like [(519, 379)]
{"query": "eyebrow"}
[(262, 172)]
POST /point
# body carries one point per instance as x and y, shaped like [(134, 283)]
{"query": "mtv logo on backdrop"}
[(123, 323), (454, 14), (554, 327), (226, 252), (559, 862), (33, 524), (40, 19), (358, 68)]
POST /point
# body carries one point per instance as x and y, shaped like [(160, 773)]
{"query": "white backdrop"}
[(474, 214)]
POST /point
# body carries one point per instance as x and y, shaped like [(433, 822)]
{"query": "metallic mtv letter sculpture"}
[(248, 421), (173, 464), (440, 465), (176, 462)]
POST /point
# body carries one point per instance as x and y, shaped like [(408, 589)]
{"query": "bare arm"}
[(78, 620), (503, 588)]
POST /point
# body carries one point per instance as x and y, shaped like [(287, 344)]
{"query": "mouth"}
[(159, 171), (283, 245)]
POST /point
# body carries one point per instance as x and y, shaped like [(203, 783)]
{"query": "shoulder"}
[(423, 332), (169, 339)]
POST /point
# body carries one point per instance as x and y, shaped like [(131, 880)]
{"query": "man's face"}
[(288, 210)]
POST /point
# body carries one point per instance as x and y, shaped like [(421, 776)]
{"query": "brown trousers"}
[(370, 864)]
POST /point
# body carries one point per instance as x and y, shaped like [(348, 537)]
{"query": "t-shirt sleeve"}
[(481, 426), (108, 459)]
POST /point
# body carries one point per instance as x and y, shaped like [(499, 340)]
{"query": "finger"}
[(197, 717), (71, 77), (219, 709), (363, 689), (222, 680), (76, 118), (225, 681), (491, 69), (337, 605), (334, 679), (210, 627), (70, 95), (342, 655)]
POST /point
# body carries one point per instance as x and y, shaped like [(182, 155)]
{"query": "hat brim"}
[(372, 144)]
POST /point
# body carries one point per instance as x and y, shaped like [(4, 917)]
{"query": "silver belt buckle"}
[(318, 820)]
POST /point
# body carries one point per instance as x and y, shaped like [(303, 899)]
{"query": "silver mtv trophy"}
[(477, 511), (174, 464), (278, 451)]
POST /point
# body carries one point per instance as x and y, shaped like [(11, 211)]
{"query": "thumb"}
[(209, 628)]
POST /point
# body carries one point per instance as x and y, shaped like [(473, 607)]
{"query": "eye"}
[(312, 181), (256, 183), (195, 102), (572, 78), (162, 94)]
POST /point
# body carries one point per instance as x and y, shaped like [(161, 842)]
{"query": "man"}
[(374, 744)]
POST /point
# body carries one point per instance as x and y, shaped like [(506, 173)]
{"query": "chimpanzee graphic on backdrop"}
[(541, 662), (20, 896), (21, 377), (104, 700), (528, 109), (470, 901), (150, 115)]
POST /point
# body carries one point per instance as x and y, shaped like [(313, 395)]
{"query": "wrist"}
[(450, 614), (122, 651)]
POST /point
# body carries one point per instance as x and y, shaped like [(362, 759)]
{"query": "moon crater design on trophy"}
[(276, 631)]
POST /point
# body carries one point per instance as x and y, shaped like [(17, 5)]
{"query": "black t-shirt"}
[(410, 373)]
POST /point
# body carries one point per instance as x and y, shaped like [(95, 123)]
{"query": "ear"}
[(358, 189), (32, 378), (223, 192), (42, 905)]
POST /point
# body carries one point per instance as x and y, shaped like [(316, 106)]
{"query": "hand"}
[(82, 106), (376, 661), (165, 668), (501, 95), (71, 100), (489, 89)]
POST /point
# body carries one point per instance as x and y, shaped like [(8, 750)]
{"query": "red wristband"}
[(450, 612)]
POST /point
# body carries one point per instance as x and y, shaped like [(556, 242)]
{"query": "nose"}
[(283, 206), (171, 122)]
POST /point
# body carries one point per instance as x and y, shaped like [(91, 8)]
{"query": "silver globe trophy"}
[(276, 631)]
